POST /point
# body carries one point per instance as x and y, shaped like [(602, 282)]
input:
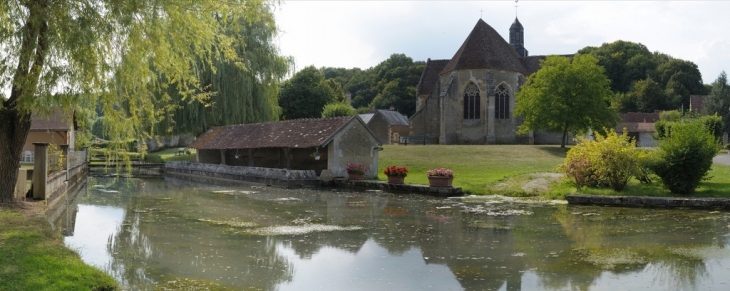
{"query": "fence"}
[(76, 158)]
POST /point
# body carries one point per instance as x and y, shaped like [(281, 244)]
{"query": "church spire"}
[(517, 37)]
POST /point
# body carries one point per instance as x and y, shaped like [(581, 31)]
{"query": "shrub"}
[(713, 123), (685, 157), (338, 109), (610, 160)]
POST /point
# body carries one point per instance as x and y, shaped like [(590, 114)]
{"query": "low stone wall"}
[(401, 188), (56, 186), (652, 202), (268, 176)]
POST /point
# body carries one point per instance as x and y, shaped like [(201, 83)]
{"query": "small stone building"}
[(387, 125), (302, 144), (640, 127), (470, 98)]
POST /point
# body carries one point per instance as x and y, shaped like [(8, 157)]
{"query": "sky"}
[(362, 34)]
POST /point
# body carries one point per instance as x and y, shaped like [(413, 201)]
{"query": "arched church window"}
[(501, 108), (471, 102)]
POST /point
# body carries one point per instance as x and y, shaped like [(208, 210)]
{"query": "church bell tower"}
[(517, 38)]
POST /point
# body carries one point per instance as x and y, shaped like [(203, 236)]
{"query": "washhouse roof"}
[(298, 133)]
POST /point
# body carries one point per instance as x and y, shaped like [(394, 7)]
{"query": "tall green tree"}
[(718, 101), (306, 94), (244, 90), (568, 97), (108, 53), (648, 95)]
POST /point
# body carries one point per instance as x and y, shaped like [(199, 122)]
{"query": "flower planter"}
[(396, 179), (356, 176), (440, 181)]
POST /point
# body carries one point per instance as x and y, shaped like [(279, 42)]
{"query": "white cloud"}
[(364, 33)]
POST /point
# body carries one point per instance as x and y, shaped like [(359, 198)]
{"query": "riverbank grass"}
[(33, 257)]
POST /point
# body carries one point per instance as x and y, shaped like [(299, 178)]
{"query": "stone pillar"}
[(491, 137), (20, 184), (531, 137), (223, 157), (250, 157), (40, 170), (724, 138)]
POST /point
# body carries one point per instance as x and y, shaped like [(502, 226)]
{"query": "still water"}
[(170, 234)]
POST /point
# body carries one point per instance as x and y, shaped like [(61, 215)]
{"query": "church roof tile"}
[(430, 76), (484, 48)]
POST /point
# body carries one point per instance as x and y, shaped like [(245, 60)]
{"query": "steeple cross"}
[(516, 8)]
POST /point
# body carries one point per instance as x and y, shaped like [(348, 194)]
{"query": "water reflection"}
[(153, 234)]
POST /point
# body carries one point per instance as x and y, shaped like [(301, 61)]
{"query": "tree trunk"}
[(563, 141), (14, 128)]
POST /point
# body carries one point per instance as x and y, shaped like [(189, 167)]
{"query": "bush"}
[(685, 157), (338, 109), (610, 160)]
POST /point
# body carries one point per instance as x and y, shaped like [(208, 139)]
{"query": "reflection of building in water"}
[(63, 213)]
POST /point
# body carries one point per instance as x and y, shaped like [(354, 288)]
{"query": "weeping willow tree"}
[(65, 54), (243, 90)]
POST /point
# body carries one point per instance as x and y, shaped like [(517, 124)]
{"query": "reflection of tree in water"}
[(618, 240), (149, 247)]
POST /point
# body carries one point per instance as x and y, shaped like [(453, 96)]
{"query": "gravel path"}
[(722, 159)]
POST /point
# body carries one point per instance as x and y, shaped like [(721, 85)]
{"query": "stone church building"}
[(470, 98)]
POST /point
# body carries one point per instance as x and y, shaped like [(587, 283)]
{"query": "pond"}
[(153, 234)]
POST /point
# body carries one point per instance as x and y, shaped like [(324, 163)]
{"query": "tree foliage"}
[(628, 63), (338, 109), (685, 156), (243, 90), (117, 55), (306, 94), (568, 97), (718, 101), (393, 82)]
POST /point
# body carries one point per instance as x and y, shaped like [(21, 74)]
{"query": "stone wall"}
[(426, 121), (268, 176), (396, 131), (380, 128), (661, 202), (354, 144), (487, 129), (544, 137)]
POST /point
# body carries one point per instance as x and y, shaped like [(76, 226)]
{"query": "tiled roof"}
[(532, 63), (299, 133), (484, 48), (639, 117), (634, 127), (697, 103), (53, 122), (393, 117), (430, 76)]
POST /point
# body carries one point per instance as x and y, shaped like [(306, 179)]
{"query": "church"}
[(470, 98)]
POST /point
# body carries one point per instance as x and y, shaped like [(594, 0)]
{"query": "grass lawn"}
[(33, 257), (478, 169), (507, 169), (170, 155)]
